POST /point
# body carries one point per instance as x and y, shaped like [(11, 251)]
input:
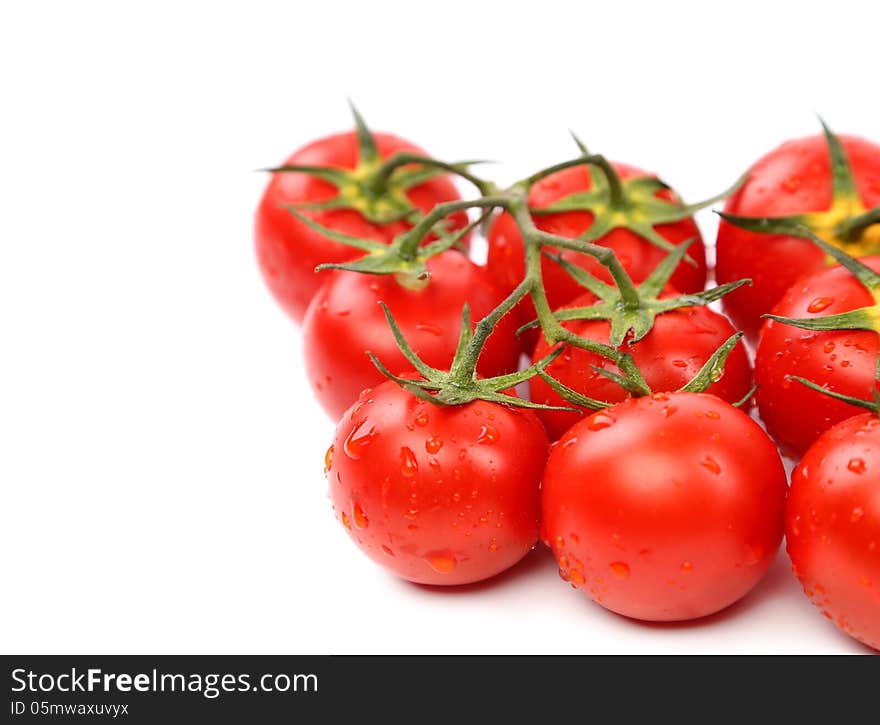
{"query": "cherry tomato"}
[(844, 361), (437, 495), (638, 256), (345, 320), (663, 508), (832, 526), (672, 353), (792, 179), (288, 251)]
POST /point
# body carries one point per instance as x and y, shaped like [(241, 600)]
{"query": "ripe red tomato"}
[(345, 320), (792, 179), (843, 361), (437, 495), (288, 251), (638, 256), (672, 353), (832, 526), (664, 508)]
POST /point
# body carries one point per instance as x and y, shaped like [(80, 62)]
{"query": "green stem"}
[(615, 185), (380, 180), (415, 236), (855, 225)]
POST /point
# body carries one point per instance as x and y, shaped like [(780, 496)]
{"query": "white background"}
[(160, 453)]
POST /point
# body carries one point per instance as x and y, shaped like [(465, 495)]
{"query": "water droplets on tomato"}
[(488, 435), (421, 419), (346, 522), (686, 567), (387, 551), (441, 561), (360, 518), (429, 328), (598, 421), (358, 440), (710, 464), (820, 303), (620, 569), (433, 445), (408, 464), (328, 459), (857, 514), (856, 465)]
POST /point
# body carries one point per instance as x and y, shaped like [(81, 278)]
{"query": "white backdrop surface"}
[(160, 452)]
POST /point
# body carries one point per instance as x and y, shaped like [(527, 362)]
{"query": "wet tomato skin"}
[(678, 345), (345, 320), (638, 256), (832, 526), (794, 178), (437, 495), (844, 361), (288, 251), (664, 508)]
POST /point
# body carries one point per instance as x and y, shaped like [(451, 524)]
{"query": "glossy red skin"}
[(832, 526), (679, 344), (288, 251), (793, 179), (638, 256), (844, 360), (438, 495), (664, 508), (345, 320)]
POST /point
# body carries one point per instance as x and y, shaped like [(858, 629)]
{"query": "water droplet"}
[(791, 184), (820, 303), (857, 513), (493, 546), (620, 569), (358, 440), (829, 347), (328, 459), (856, 465), (668, 410), (558, 543), (360, 518), (680, 363), (570, 442), (575, 538), (343, 313), (576, 578), (345, 521), (433, 445), (710, 464), (662, 397), (488, 435), (597, 421), (686, 567), (713, 414), (408, 464), (432, 329), (421, 418), (442, 561), (387, 551), (456, 497)]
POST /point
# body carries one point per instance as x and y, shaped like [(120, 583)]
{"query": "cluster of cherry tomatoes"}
[(629, 449)]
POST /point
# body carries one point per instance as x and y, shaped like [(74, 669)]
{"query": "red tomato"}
[(792, 179), (672, 353), (638, 256), (438, 495), (664, 508), (832, 526), (345, 320), (288, 251), (844, 361)]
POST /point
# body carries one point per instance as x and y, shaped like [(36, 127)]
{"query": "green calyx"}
[(375, 188), (632, 309), (405, 257), (631, 204), (846, 224), (460, 384), (862, 318), (710, 373)]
